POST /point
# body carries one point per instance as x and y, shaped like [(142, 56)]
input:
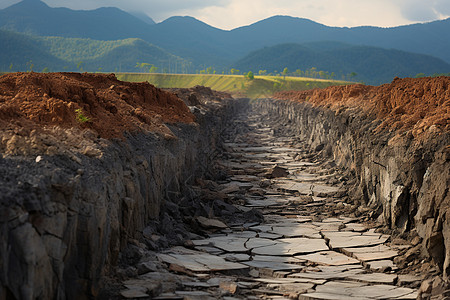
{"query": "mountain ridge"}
[(369, 64), (207, 46)]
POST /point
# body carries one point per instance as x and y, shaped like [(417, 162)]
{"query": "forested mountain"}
[(36, 17), (205, 46), (369, 64), (21, 52)]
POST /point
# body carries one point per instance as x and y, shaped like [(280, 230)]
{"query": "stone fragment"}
[(331, 258), (236, 257), (292, 246), (196, 284), (355, 227), (296, 288), (353, 239), (134, 293), (407, 279), (381, 265), (371, 253), (168, 296), (375, 278), (297, 231), (146, 267), (274, 266), (267, 235), (328, 296), (230, 287), (211, 223), (258, 242), (194, 295), (277, 172), (200, 262)]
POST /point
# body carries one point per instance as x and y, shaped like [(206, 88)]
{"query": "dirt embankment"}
[(86, 161), (415, 105), (394, 140), (99, 102)]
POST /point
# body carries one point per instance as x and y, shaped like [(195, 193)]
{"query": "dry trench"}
[(304, 247)]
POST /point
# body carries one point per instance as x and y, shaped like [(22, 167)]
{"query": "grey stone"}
[(380, 265), (297, 231), (375, 278), (275, 266), (134, 293), (200, 262), (353, 239), (371, 253), (293, 246), (329, 258), (211, 223)]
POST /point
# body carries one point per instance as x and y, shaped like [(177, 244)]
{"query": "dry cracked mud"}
[(309, 245)]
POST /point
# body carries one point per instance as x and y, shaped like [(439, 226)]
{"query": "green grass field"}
[(259, 87)]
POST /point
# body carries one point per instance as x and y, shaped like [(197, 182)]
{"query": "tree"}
[(153, 69), (234, 71), (352, 75), (285, 72), (79, 66), (10, 67), (250, 75), (209, 70), (45, 70), (262, 72), (30, 65), (298, 72)]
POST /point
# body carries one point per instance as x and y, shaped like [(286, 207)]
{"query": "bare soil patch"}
[(95, 101)]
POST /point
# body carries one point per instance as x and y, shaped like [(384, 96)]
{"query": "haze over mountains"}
[(187, 45)]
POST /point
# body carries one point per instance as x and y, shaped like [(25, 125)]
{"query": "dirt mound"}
[(418, 105), (99, 102), (199, 95)]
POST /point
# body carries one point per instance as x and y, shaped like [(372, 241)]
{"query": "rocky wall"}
[(404, 180), (67, 213)]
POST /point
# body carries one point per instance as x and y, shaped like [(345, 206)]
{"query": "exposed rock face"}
[(402, 171), (70, 199)]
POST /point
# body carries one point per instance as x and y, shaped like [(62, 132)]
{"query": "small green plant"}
[(80, 116)]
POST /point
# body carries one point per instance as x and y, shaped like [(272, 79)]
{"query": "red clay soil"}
[(405, 104), (31, 100)]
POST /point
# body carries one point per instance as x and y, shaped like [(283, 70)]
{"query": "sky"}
[(229, 14)]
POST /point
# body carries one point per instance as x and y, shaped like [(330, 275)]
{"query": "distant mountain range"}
[(26, 52), (368, 64), (205, 46)]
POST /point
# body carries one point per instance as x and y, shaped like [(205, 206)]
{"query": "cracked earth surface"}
[(307, 246)]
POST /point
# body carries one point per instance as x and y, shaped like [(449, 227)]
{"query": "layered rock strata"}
[(394, 139), (87, 161)]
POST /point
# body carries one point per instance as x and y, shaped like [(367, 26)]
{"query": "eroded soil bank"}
[(394, 140), (86, 163)]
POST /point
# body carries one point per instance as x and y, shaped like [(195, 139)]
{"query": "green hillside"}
[(369, 64), (20, 52), (260, 86), (76, 54)]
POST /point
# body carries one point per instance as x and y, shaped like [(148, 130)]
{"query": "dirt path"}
[(307, 247)]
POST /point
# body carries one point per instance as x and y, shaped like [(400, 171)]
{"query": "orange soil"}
[(405, 104), (31, 100)]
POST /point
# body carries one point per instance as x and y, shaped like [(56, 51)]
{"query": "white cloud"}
[(229, 14), (421, 11), (330, 12)]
